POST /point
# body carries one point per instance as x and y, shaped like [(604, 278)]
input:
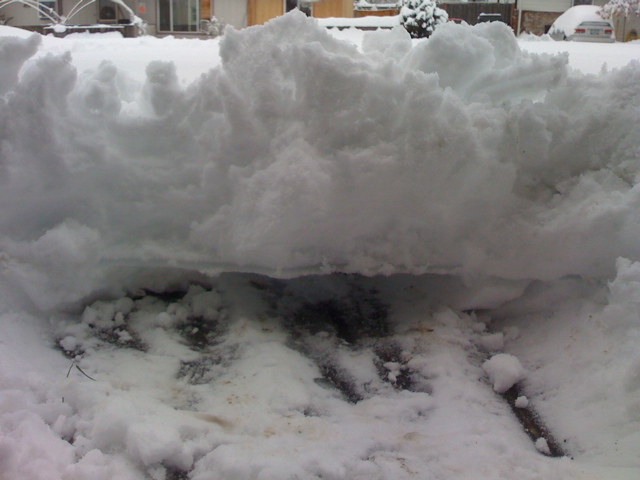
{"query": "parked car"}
[(582, 23)]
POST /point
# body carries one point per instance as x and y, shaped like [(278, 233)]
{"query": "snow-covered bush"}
[(621, 7), (214, 27), (421, 17)]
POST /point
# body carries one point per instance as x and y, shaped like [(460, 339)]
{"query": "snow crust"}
[(494, 188)]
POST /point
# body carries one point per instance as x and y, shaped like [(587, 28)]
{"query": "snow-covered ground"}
[(290, 254)]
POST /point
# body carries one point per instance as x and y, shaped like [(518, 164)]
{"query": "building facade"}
[(194, 17), (164, 17)]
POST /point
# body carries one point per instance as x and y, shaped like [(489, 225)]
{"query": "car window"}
[(595, 24)]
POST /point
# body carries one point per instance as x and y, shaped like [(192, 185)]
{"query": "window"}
[(179, 15), (45, 8), (107, 11), (303, 6), (306, 8)]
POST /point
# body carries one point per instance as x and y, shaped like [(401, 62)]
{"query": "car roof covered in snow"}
[(569, 20)]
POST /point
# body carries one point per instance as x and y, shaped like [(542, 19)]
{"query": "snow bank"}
[(299, 153)]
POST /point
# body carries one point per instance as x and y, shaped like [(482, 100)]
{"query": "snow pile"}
[(299, 153)]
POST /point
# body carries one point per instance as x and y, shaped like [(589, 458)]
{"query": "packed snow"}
[(298, 253)]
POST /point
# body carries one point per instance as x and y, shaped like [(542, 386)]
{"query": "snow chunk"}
[(543, 446), (504, 370), (152, 443), (69, 343), (522, 402)]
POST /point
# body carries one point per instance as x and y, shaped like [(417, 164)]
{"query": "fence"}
[(469, 11)]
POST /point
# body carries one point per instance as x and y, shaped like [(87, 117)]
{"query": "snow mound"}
[(301, 154)]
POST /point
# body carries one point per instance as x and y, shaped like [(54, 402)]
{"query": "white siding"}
[(19, 15), (231, 12), (544, 5), (86, 16)]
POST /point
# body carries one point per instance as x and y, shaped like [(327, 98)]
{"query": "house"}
[(164, 17), (537, 16), (193, 17)]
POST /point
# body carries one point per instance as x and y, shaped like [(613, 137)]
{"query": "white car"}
[(582, 23)]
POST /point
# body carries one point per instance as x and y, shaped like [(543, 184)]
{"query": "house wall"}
[(333, 8), (377, 13), (231, 12), (537, 23), (544, 5), (627, 28), (19, 15), (86, 16), (469, 12), (147, 10), (261, 11), (206, 9)]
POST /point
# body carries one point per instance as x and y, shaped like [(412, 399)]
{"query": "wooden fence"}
[(469, 12)]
